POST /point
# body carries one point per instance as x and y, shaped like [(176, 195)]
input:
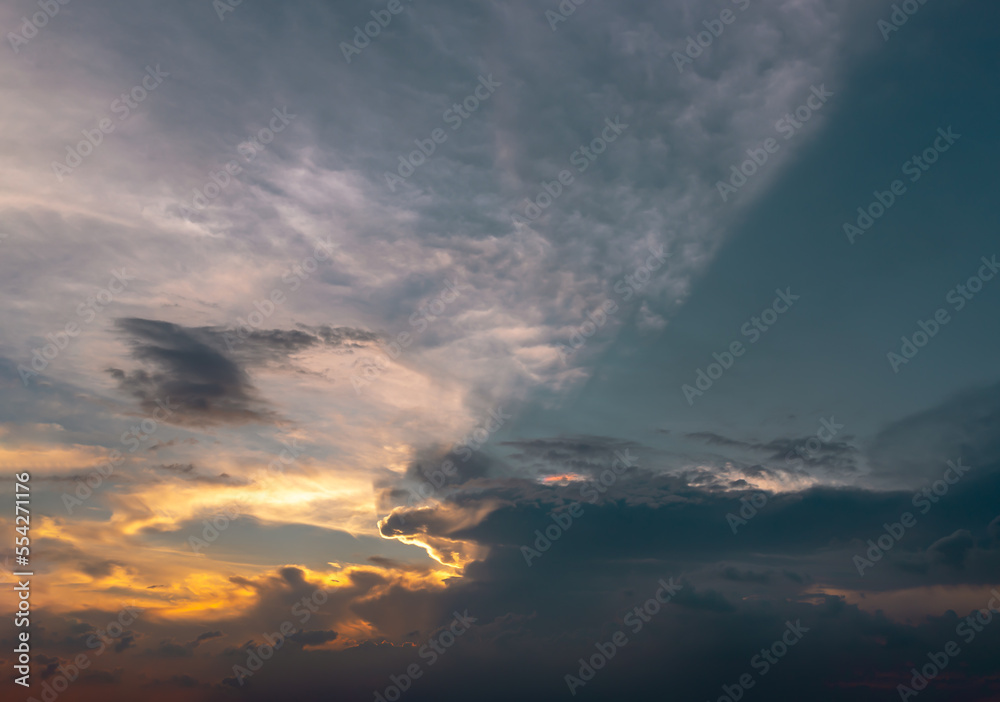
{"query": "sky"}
[(501, 350)]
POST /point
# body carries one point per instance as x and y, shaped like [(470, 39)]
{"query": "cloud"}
[(919, 446), (709, 600), (579, 453), (185, 370), (102, 569), (834, 460), (170, 649), (204, 637), (262, 346), (313, 638), (952, 550), (185, 681), (189, 472), (206, 370), (736, 575), (124, 642)]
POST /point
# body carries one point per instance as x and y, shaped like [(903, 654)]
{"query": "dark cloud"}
[(184, 681), (709, 600), (101, 569), (714, 439), (581, 454), (952, 550), (204, 371), (160, 445), (285, 342), (920, 445), (806, 456), (540, 620), (186, 371), (277, 346), (313, 638), (50, 665), (748, 576), (124, 642), (570, 450), (188, 472), (994, 529), (171, 649), (208, 635), (823, 526), (345, 337), (103, 677)]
